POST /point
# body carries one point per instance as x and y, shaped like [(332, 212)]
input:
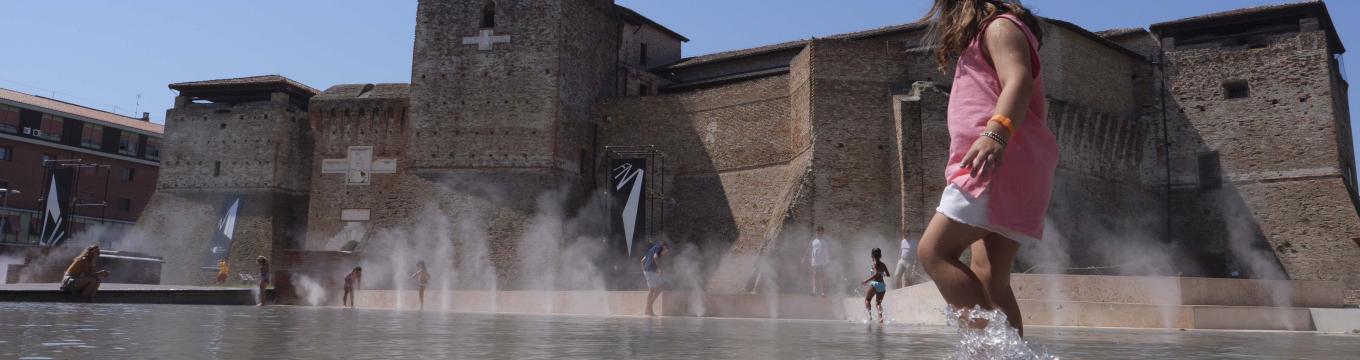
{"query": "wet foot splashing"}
[(996, 340)]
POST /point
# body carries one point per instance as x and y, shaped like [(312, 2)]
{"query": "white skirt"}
[(957, 205)]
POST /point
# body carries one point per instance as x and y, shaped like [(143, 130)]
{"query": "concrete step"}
[(922, 304), (1179, 290), (1094, 314), (608, 303), (132, 294)]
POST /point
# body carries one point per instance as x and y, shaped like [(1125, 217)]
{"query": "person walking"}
[(1001, 154), (651, 271)]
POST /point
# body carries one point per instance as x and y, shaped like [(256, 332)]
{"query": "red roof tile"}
[(249, 80), (81, 112)]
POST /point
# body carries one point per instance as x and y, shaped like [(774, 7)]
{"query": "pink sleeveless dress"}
[(1012, 200)]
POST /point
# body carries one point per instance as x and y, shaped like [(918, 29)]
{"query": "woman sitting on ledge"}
[(81, 277)]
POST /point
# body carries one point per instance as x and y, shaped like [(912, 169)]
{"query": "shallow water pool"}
[(197, 332)]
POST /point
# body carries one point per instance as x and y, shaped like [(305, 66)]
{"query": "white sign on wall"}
[(359, 166)]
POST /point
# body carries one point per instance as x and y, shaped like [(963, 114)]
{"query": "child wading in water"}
[(351, 283), (996, 112), (877, 285), (263, 262), (422, 279)]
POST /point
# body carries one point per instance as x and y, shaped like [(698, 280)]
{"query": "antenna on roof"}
[(139, 105)]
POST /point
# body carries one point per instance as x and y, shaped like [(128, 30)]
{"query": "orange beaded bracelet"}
[(1005, 122)]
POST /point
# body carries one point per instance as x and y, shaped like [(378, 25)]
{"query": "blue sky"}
[(104, 54)]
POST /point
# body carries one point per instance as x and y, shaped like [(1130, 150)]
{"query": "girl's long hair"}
[(954, 24)]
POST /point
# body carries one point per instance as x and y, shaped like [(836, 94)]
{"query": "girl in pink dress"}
[(1001, 153)]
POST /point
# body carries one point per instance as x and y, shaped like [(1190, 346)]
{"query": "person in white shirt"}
[(906, 266), (818, 256)]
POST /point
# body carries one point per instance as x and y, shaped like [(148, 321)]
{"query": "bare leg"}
[(260, 299), (879, 301), (651, 297), (87, 286), (821, 281), (814, 281), (422, 298), (941, 245), (868, 310), (992, 259)]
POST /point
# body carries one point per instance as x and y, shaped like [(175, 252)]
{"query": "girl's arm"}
[(1010, 53)]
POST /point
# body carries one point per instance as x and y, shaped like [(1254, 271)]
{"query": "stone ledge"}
[(133, 294)]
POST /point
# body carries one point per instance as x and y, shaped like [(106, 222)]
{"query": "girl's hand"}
[(984, 157)]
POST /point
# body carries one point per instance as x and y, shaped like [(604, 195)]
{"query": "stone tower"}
[(1261, 127), (505, 88), (501, 109), (234, 179)]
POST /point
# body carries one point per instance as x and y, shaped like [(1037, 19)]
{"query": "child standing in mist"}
[(223, 268), (263, 263), (351, 284), (818, 256), (1002, 156), (877, 285), (422, 279)]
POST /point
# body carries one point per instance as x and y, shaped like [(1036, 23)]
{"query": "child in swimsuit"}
[(422, 279), (263, 262), (877, 285), (351, 282)]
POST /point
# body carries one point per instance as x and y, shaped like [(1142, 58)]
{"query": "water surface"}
[(199, 332)]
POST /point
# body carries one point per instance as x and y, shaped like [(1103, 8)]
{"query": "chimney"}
[(146, 116)]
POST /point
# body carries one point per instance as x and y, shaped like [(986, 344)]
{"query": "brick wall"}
[(1278, 150), (354, 115), (727, 157), (263, 148)]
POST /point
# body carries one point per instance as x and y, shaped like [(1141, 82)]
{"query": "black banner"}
[(628, 189), (224, 232), (56, 223)]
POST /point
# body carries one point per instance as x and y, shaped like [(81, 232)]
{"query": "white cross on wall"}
[(360, 166), (486, 40)]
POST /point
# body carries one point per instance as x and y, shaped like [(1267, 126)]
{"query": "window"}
[(127, 174), (1236, 90), (9, 119), (47, 158), (642, 57), (127, 144), (489, 15), (124, 204), (9, 228), (50, 128), (92, 136), (1210, 171), (583, 165), (217, 168), (6, 154), (153, 148)]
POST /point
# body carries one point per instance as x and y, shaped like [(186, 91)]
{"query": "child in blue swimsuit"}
[(877, 285)]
